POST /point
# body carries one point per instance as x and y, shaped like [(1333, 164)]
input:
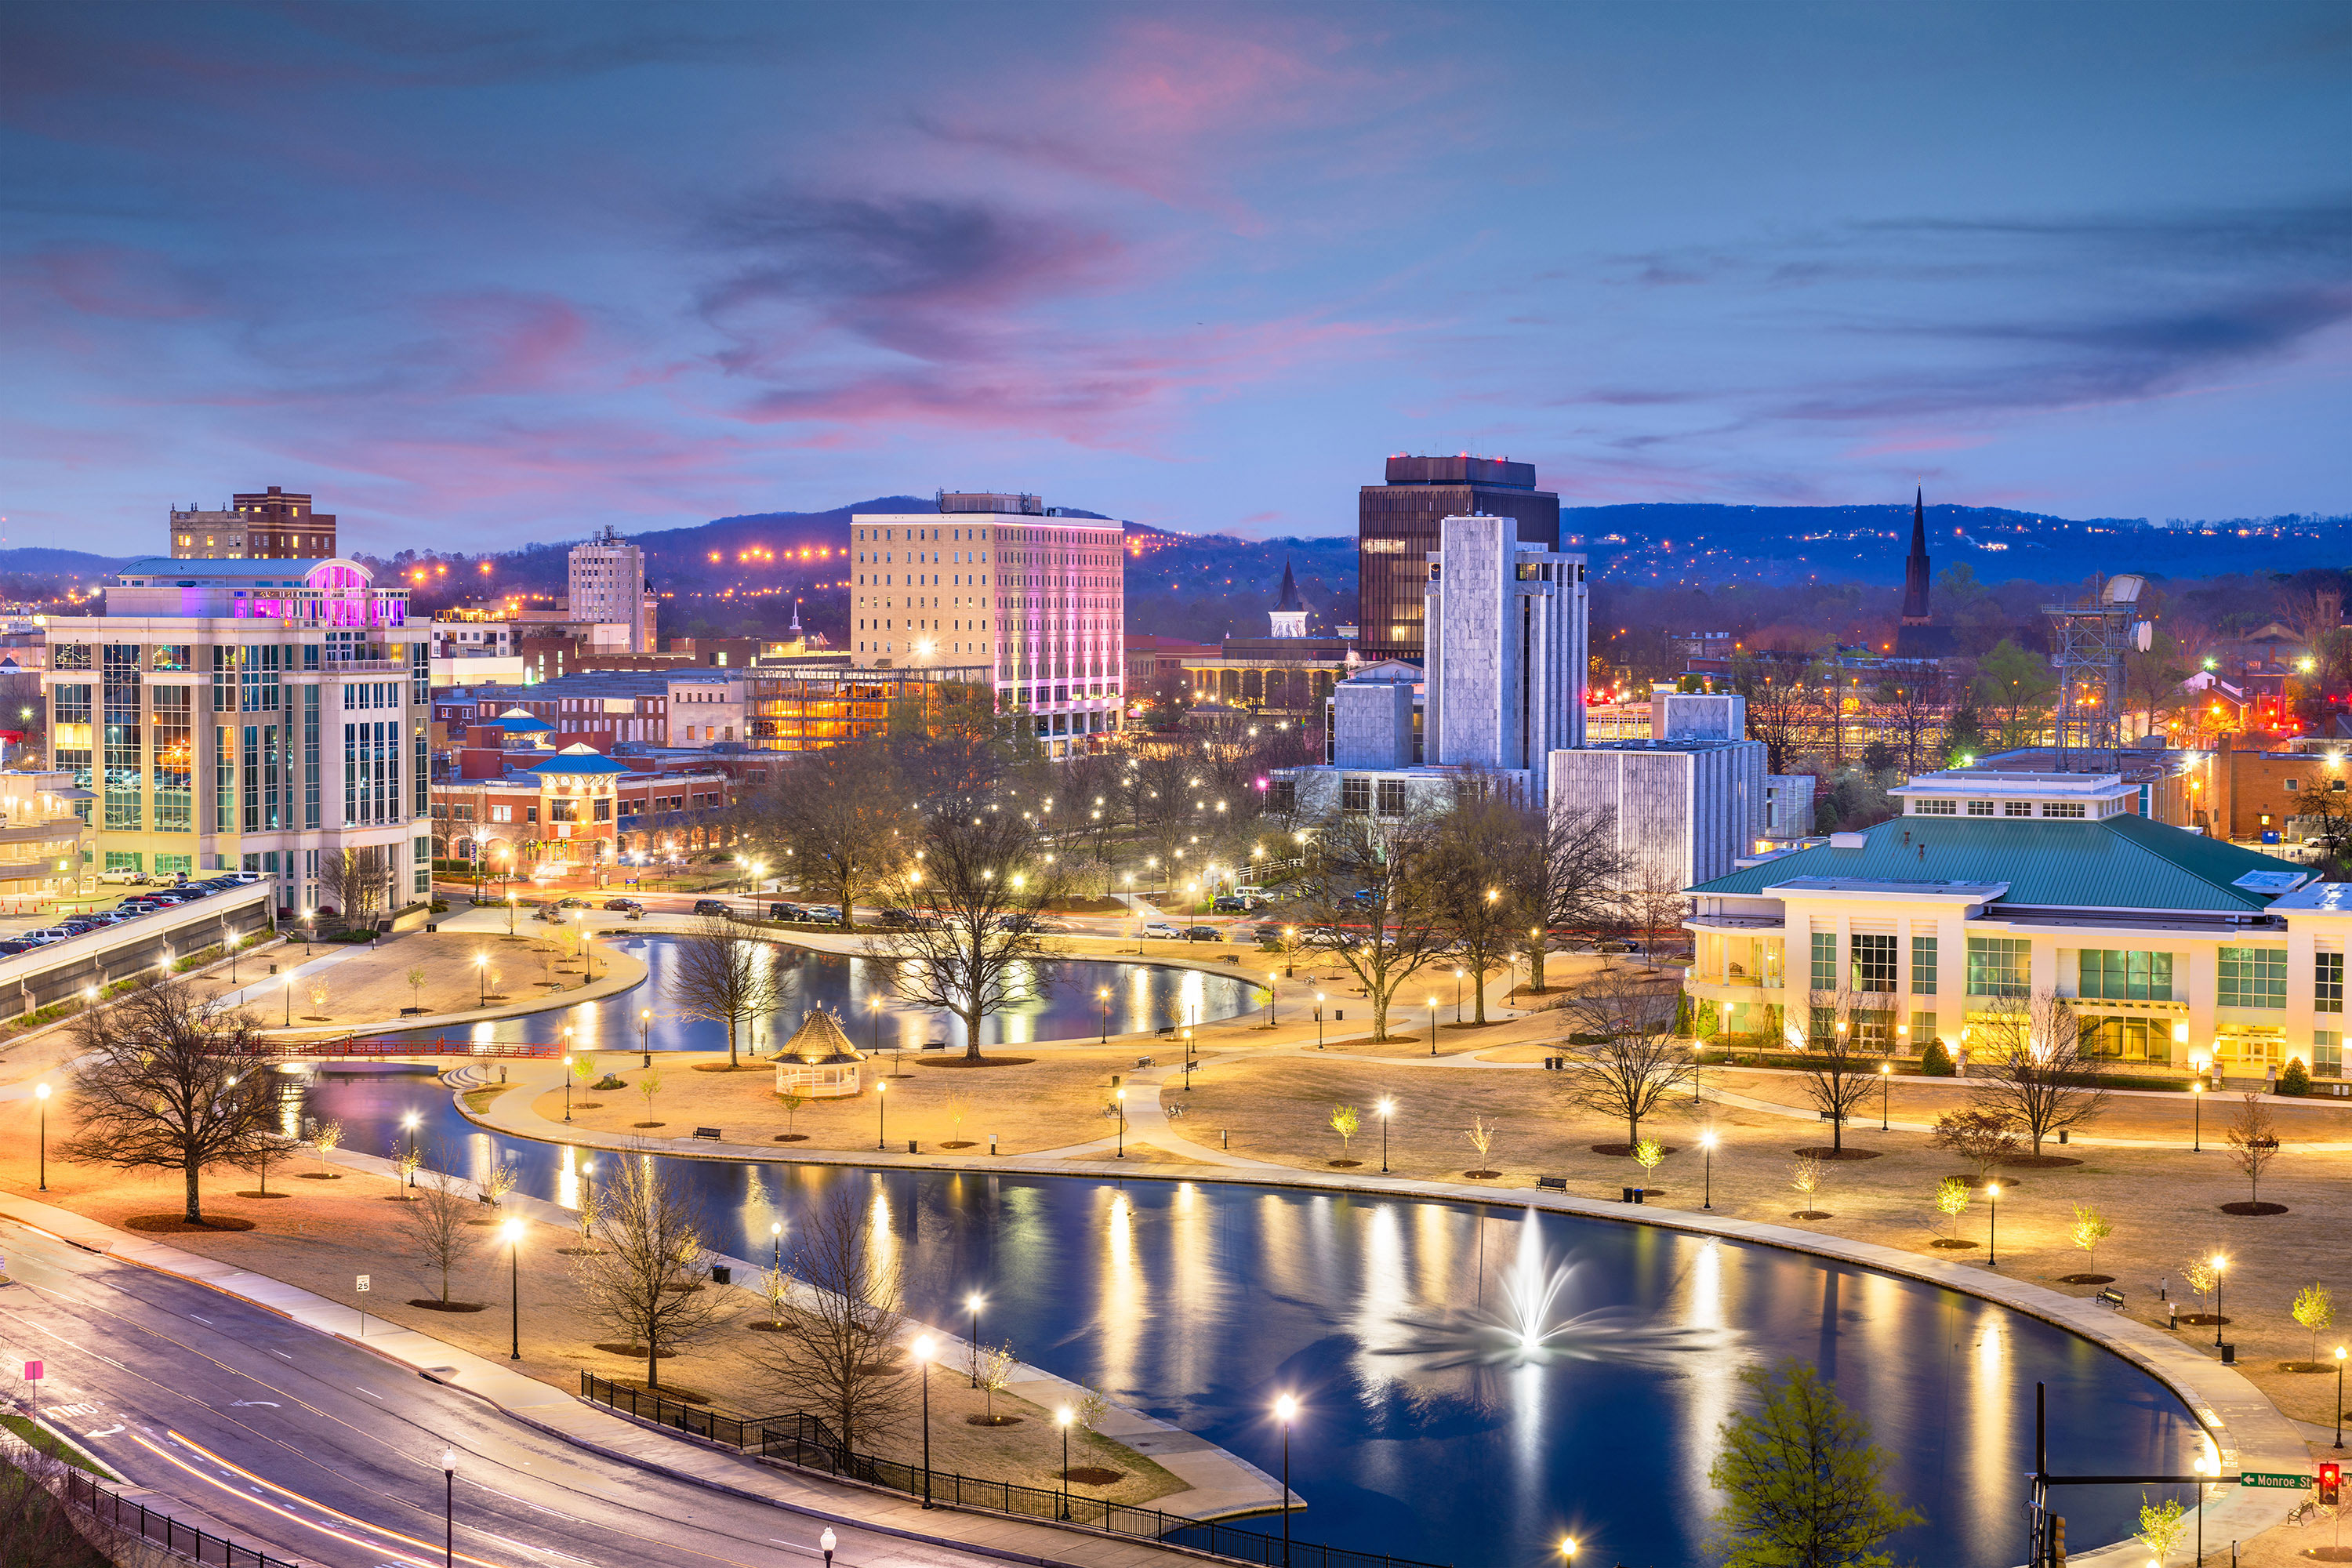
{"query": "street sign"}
[(2273, 1479), (364, 1284), (33, 1372)]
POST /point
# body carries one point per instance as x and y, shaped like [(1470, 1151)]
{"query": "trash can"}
[(720, 1274), (2062, 1134), (2230, 1355), (1625, 1194), (912, 1148)]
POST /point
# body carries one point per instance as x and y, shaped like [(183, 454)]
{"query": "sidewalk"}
[(592, 1427)]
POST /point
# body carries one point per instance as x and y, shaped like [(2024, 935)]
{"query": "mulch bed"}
[(991, 1421), (1978, 1184), (638, 1353), (321, 1176), (1824, 1152), (764, 1327), (2253, 1208), (1481, 1175), (2306, 1366), (579, 1251), (2204, 1319), (731, 1067), (2327, 1553), (1092, 1476), (649, 1123), (1343, 1165), (2040, 1162), (1627, 1148), (1811, 1213), (257, 1193), (178, 1224), (792, 1137), (1951, 1243), (400, 1197), (434, 1304), (957, 1143), (964, 1061), (2086, 1279)]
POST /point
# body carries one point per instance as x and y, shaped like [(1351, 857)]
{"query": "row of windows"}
[(2065, 808)]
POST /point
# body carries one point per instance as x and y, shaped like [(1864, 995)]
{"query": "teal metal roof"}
[(579, 760), (515, 722), (2112, 863)]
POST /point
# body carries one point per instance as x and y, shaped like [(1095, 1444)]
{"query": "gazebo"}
[(818, 1062)]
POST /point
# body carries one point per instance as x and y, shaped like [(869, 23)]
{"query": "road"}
[(314, 1449)]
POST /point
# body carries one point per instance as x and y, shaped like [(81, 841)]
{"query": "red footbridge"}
[(395, 1050)]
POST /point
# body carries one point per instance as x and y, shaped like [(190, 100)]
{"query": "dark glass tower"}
[(1397, 527)]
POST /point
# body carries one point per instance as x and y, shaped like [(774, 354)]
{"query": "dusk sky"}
[(484, 274)]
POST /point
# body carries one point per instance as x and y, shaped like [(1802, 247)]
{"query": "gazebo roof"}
[(519, 721), (819, 1042), (579, 758)]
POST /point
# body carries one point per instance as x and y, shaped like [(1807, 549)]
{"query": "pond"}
[(1421, 1432)]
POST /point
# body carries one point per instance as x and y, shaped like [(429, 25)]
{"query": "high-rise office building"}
[(249, 715), (1034, 600), (608, 588), (1397, 530), (261, 525), (1505, 672)]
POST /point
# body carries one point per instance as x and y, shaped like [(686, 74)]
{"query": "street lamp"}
[(512, 1231), (775, 1246), (2219, 1263), (2196, 1112), (1706, 1142), (290, 998), (41, 1093), (2339, 1396), (1269, 999), (1062, 1418), (1567, 1548), (1992, 1239), (1432, 1002), (1387, 1108), (409, 1121), (1318, 1020), (1103, 996), (448, 1508), (1457, 995), (1885, 1082), (644, 1032), (1119, 1095), (482, 980), (825, 1543), (1284, 1408), (972, 1305), (924, 1347), (881, 1115)]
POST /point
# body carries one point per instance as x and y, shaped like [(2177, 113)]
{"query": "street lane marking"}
[(105, 1431), (371, 1393)]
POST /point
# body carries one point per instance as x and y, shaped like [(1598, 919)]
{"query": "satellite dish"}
[(2143, 634), (2123, 589)]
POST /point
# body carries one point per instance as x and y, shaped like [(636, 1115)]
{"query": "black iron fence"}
[(111, 1509), (809, 1443)]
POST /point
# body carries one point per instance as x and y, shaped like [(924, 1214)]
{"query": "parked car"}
[(713, 907), (1050, 926), (899, 918), (1234, 904), (623, 905), (120, 876), (787, 912), (829, 914), (1164, 931), (1204, 934)]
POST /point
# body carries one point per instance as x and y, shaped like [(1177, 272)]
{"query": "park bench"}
[(1143, 1061), (935, 1045), (1552, 1184), (1174, 1111), (2110, 1297), (709, 1132)]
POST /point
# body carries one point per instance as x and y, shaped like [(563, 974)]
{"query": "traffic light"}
[(2057, 1542), (2330, 1476)]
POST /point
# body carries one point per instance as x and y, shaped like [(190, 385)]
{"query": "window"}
[(1825, 964), (2109, 975), (71, 656), (1923, 966), (1282, 795), (167, 864), (501, 814), (1999, 966), (121, 860), (1873, 962), (2327, 1052), (1392, 797), (2062, 808), (2127, 1039), (1934, 808), (1824, 1021), (2328, 983), (1924, 1026), (171, 752), (2253, 977), (1356, 794), (1980, 808), (2017, 808), (2294, 784)]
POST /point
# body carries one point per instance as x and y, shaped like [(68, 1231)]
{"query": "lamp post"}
[(2203, 1467), (1387, 1108), (1706, 1142), (1432, 1001), (923, 1349), (874, 1017), (972, 1305), (448, 1508), (1062, 1418), (2219, 1263), (1993, 1237), (644, 1034), (510, 912), (775, 1246), (482, 980), (1283, 1409), (409, 1121), (1885, 1082), (41, 1093), (2339, 1396), (290, 998), (881, 1115), (825, 1543), (1103, 996), (1119, 1097), (513, 1229), (1568, 1550), (1269, 999), (1318, 1020)]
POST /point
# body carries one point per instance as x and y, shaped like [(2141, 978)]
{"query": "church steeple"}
[(1914, 569), (1289, 612)]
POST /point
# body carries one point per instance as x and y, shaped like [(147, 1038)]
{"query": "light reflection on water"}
[(1201, 1301)]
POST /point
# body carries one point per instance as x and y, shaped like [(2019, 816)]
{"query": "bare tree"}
[(2253, 1143), (1364, 882), (2033, 1068), (1633, 1062), (839, 817), (837, 1356), (354, 879), (646, 1283), (166, 1080), (720, 977), (434, 1227), (1562, 875), (1983, 1138), (37, 1528), (980, 874), (265, 1153), (1465, 885), (1840, 1065)]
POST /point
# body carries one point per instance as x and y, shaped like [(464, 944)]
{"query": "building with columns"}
[(1998, 893), (1034, 597)]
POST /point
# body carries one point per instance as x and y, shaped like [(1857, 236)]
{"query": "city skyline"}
[(484, 282)]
